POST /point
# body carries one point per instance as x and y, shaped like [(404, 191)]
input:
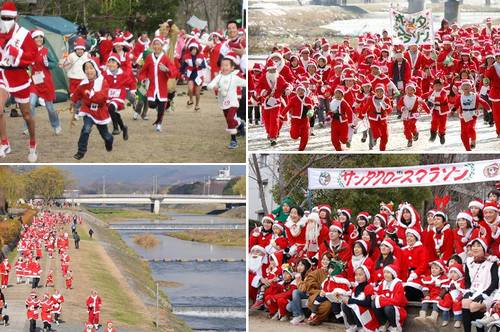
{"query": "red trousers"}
[(339, 133), (438, 122), (232, 122), (447, 303), (69, 282), (468, 132), (379, 130), (275, 300), (496, 115), (5, 279), (410, 128), (300, 129), (93, 317), (270, 117)]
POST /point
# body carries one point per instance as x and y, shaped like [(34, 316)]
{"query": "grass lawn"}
[(230, 238), (113, 215)]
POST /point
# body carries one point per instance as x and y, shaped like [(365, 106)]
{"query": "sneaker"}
[(297, 320), (57, 130), (125, 133), (276, 316), (410, 143), (136, 116), (116, 131), (458, 324), (26, 132), (415, 136), (145, 118), (233, 145), (284, 319), (158, 127), (32, 156), (109, 145), (241, 129), (273, 143), (442, 140), (444, 323), (4, 150)]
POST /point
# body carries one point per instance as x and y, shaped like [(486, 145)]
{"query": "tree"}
[(12, 184), (47, 182), (240, 187)]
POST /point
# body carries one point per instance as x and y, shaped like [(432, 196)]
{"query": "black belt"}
[(13, 68), (469, 110)]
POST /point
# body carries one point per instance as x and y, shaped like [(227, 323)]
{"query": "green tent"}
[(55, 28)]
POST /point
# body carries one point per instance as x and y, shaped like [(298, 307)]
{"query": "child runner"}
[(93, 93), (192, 67), (300, 107), (410, 106)]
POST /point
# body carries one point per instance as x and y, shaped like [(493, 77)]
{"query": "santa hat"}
[(158, 39), (33, 293), (387, 206), (277, 257), (363, 244), (286, 50), (257, 67), (304, 50), (458, 268), (278, 224), (314, 216), (465, 82), (270, 64), (465, 215), (364, 215), (366, 270), (342, 90), (325, 207), (440, 263), (490, 205), (115, 57), (268, 218), (477, 202), (37, 33), (384, 216), (447, 40), (8, 9), (465, 51), (441, 214), (80, 44), (411, 84), (258, 248), (300, 86), (233, 57), (480, 241), (217, 34), (346, 211), (427, 47), (379, 86), (337, 226), (389, 243), (432, 212), (497, 52), (398, 49), (392, 269), (413, 232), (119, 41), (128, 36)]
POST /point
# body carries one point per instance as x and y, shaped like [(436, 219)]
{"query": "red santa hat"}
[(286, 50), (398, 49), (346, 211), (364, 215), (37, 33), (379, 86), (158, 39), (128, 36), (281, 242), (278, 225), (217, 34), (115, 57), (476, 202), (490, 205), (384, 216), (80, 44), (277, 257), (233, 57), (363, 244), (341, 89), (411, 84), (447, 40), (480, 241), (257, 67), (440, 263), (304, 50), (387, 206), (432, 212), (441, 214), (414, 232), (427, 47), (366, 270), (497, 52), (389, 243), (458, 268), (465, 82), (337, 226), (270, 64), (465, 215), (325, 207), (258, 248), (8, 9), (119, 41), (392, 269), (268, 218)]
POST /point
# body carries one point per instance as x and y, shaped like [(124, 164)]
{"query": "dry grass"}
[(10, 228), (114, 215), (187, 136), (147, 241), (231, 238), (169, 284)]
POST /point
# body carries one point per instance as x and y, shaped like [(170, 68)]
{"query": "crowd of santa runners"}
[(115, 69), (355, 87), (46, 236), (362, 268)]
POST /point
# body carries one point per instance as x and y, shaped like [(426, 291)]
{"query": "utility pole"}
[(104, 185), (157, 306)]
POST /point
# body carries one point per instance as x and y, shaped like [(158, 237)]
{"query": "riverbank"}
[(110, 215), (136, 280), (230, 238)]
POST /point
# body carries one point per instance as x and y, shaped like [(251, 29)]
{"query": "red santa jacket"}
[(461, 238), (158, 88), (46, 310), (377, 109), (94, 304), (18, 53), (415, 63), (263, 239), (296, 232), (378, 269), (32, 306), (296, 107), (118, 83), (404, 70), (392, 294), (341, 251), (470, 104), (57, 301), (336, 284), (443, 242), (270, 94), (214, 54), (354, 263), (361, 304), (439, 100), (431, 285), (5, 268), (105, 48), (41, 77), (94, 95), (139, 47), (343, 109), (416, 263), (411, 105)]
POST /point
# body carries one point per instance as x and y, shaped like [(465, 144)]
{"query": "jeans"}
[(85, 133), (53, 116), (321, 110), (426, 306), (295, 305)]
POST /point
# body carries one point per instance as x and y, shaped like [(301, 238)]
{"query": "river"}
[(211, 295)]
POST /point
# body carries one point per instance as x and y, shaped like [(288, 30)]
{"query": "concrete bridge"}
[(155, 200)]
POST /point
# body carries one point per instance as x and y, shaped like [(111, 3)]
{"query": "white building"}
[(269, 168)]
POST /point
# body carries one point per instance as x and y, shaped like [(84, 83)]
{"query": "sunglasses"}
[(7, 18)]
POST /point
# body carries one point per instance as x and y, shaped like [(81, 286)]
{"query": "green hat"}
[(336, 266), (287, 268), (288, 201)]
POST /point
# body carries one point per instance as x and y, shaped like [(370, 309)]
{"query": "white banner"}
[(411, 176), (410, 29)]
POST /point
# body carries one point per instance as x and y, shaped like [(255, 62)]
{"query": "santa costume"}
[(342, 116), (300, 107), (93, 304), (5, 268), (410, 106), (377, 109)]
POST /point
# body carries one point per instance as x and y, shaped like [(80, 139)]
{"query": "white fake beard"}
[(255, 263), (272, 77), (312, 232), (5, 26)]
